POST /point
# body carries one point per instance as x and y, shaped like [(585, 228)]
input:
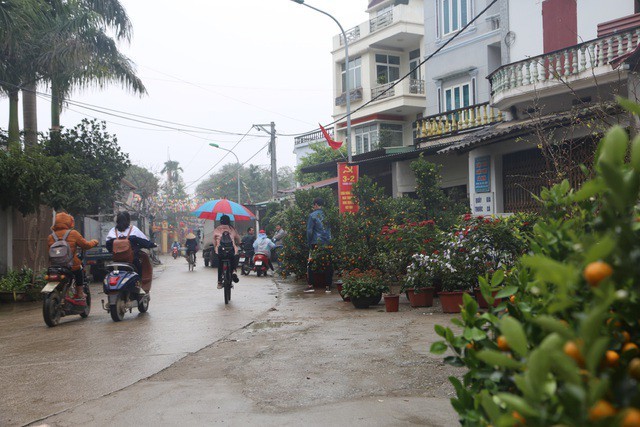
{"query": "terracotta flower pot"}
[(317, 279), (392, 302), (451, 301), (423, 297), (482, 303)]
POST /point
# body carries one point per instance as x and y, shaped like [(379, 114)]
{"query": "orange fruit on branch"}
[(601, 410), (597, 271)]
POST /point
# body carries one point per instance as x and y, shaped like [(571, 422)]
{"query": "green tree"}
[(439, 207), (91, 155), (321, 153)]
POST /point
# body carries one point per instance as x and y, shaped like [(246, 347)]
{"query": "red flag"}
[(333, 144)]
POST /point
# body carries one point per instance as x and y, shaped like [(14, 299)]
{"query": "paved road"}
[(44, 371), (275, 356)]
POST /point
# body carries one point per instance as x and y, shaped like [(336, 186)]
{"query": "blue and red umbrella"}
[(214, 209)]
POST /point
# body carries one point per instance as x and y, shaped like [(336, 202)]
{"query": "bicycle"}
[(225, 264), (191, 259)]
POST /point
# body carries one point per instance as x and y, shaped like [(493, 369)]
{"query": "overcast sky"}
[(218, 65)]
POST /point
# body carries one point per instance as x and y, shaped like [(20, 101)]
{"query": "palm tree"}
[(19, 21), (82, 54), (171, 167)]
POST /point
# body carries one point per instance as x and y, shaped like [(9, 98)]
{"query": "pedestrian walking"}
[(318, 234)]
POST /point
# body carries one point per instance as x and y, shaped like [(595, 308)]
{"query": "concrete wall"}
[(454, 172), (6, 240), (525, 21), (466, 57)]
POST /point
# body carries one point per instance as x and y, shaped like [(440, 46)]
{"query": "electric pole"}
[(272, 151)]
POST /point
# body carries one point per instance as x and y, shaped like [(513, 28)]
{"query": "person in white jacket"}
[(264, 245)]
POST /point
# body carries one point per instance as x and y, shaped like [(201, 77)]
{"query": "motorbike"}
[(174, 252), (61, 283), (260, 264), (126, 289), (245, 262)]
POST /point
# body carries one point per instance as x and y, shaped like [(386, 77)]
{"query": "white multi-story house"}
[(566, 63)]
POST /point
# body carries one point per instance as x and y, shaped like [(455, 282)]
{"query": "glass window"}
[(457, 97), (387, 68), (355, 76), (375, 136), (414, 64), (454, 14)]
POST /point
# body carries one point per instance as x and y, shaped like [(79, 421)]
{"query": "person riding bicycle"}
[(226, 241), (192, 247)]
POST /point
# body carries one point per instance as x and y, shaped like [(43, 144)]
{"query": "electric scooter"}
[(127, 289)]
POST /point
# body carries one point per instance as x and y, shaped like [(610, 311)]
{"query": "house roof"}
[(319, 184), (373, 3), (507, 130)]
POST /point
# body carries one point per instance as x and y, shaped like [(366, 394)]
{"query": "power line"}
[(394, 84)]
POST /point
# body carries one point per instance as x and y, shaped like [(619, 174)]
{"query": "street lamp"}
[(346, 64), (237, 160)]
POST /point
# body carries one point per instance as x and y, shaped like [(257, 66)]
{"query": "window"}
[(375, 136), (457, 97), (454, 14), (355, 78), (387, 68), (366, 138), (414, 65)]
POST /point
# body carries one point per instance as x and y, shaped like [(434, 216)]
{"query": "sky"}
[(218, 66)]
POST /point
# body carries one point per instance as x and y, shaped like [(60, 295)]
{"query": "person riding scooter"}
[(138, 239), (63, 229), (263, 246), (175, 249)]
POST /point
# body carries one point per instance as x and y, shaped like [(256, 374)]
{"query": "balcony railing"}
[(381, 21), (454, 121), (563, 63), (352, 35), (311, 137), (416, 87)]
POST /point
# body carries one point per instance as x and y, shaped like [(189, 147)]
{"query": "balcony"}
[(455, 121), (311, 137), (562, 71), (401, 27), (387, 90)]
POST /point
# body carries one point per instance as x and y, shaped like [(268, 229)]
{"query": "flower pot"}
[(339, 288), (365, 302), (422, 298), (392, 302), (482, 303), (17, 296), (318, 279), (451, 301)]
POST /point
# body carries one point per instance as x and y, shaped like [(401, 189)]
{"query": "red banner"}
[(347, 176)]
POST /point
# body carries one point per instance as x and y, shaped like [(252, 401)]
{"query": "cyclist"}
[(226, 241), (192, 247)]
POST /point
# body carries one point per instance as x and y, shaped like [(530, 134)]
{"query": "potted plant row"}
[(19, 285)]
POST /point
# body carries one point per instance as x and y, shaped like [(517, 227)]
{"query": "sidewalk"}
[(312, 359)]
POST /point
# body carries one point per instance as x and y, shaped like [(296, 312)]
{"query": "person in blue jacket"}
[(318, 234)]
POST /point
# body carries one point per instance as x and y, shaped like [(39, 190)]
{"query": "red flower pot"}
[(482, 303), (451, 301), (422, 297), (392, 302)]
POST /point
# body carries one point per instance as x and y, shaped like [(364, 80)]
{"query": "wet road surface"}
[(44, 371)]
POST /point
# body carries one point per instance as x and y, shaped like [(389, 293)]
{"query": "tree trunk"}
[(30, 114), (56, 107), (14, 125)]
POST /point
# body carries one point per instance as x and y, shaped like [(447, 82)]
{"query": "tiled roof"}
[(319, 184), (506, 130)]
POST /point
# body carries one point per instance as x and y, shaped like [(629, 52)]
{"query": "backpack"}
[(60, 254), (226, 244), (122, 250)]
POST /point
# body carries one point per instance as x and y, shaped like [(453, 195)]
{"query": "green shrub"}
[(563, 346)]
